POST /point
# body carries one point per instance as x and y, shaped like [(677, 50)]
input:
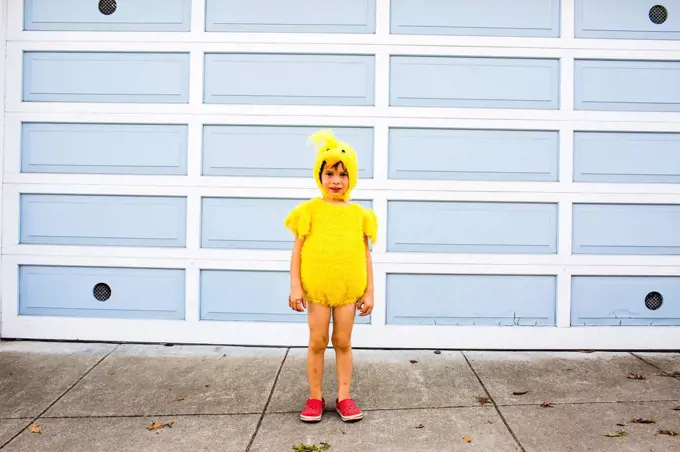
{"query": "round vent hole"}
[(653, 301), (107, 7), (101, 291), (658, 14)]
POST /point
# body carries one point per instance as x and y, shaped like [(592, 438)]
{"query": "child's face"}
[(335, 180)]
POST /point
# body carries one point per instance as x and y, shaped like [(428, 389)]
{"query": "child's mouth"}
[(335, 190)]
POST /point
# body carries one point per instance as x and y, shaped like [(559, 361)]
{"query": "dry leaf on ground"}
[(156, 425), (519, 392), (482, 400), (467, 439), (643, 421), (547, 404), (668, 432), (420, 426), (617, 434), (677, 408), (632, 376), (413, 361), (34, 428)]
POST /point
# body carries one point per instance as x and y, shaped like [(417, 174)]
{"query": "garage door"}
[(523, 162)]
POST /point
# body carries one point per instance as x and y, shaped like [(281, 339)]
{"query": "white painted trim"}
[(197, 21), (366, 189), (193, 295), (563, 294), (312, 46), (382, 21), (507, 264), (355, 40), (194, 221), (15, 19), (385, 336), (567, 25), (368, 118), (567, 81), (379, 314), (3, 93), (407, 116)]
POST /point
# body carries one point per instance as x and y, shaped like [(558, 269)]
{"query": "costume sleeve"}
[(370, 225), (299, 220)]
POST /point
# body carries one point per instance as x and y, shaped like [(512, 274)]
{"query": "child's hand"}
[(365, 304), (296, 300)]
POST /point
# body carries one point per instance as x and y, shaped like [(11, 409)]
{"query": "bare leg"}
[(343, 322), (318, 317)]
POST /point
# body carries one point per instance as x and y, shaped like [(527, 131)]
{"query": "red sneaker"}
[(348, 410), (313, 410)]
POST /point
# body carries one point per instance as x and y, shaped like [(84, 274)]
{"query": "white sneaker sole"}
[(354, 417), (310, 418)]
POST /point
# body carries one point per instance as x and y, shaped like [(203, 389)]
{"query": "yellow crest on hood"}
[(331, 151)]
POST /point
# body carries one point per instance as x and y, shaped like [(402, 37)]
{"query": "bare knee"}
[(341, 342), (318, 342)]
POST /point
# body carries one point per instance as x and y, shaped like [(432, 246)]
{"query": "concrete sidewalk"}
[(105, 397)]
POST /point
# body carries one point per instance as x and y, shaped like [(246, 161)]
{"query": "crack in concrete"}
[(266, 405), (78, 380), (505, 422), (665, 374)]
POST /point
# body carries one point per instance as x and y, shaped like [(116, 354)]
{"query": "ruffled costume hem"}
[(332, 303)]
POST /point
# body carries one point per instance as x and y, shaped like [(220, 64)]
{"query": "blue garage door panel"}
[(484, 155), (474, 82), (133, 293), (530, 18), (627, 85), (628, 157), (110, 77), (275, 151), (623, 300), (289, 79), (626, 229), (293, 16), (627, 19), (103, 220), (471, 227), (127, 15), (250, 296), (249, 223), (414, 299), (104, 148)]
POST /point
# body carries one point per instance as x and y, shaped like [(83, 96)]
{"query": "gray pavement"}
[(105, 397)]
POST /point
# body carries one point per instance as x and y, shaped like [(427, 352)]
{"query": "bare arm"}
[(296, 298), (369, 267), (366, 302)]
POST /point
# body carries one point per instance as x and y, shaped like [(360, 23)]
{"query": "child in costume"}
[(331, 269)]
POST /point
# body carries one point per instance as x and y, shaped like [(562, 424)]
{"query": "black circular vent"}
[(658, 14), (101, 291), (653, 301), (107, 7)]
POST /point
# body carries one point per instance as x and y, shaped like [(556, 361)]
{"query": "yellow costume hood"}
[(331, 151)]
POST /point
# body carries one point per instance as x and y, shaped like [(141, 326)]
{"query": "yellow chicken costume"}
[(333, 258)]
